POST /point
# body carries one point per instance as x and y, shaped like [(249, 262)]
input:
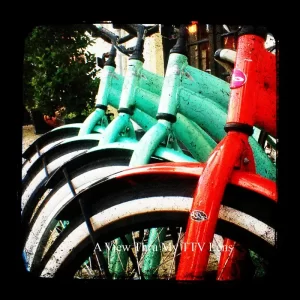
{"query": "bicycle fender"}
[(53, 135), (247, 180), (165, 172), (125, 146), (243, 179), (85, 142), (84, 159)]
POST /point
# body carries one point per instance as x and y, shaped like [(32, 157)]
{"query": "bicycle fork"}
[(233, 152)]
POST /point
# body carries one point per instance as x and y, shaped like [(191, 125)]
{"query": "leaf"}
[(45, 48)]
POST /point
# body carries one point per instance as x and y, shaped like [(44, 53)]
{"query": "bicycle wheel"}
[(141, 205), (38, 222)]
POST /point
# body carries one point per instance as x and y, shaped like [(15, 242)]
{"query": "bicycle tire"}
[(144, 205)]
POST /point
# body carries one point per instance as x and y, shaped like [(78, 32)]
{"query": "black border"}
[(282, 270)]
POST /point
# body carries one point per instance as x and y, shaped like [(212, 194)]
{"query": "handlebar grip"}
[(225, 55)]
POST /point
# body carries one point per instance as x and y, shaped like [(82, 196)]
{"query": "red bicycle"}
[(252, 102)]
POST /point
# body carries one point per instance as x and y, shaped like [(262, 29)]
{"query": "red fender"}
[(247, 180)]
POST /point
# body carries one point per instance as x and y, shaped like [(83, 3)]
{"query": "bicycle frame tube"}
[(101, 101), (190, 105), (195, 139), (126, 104), (207, 114), (149, 142), (206, 85), (257, 106), (151, 82), (266, 102), (232, 152)]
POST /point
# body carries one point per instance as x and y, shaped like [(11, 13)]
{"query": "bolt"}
[(246, 160)]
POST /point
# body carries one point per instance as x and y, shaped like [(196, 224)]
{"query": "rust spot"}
[(266, 85), (188, 76)]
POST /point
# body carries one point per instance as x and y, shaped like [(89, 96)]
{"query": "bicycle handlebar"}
[(114, 39), (134, 28), (110, 37), (106, 35), (125, 39)]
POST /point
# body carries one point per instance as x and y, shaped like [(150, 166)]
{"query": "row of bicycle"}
[(190, 196)]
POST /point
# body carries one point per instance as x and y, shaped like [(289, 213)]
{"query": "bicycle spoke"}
[(175, 252), (137, 260), (132, 257), (227, 260)]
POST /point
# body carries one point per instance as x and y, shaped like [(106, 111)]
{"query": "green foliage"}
[(56, 74)]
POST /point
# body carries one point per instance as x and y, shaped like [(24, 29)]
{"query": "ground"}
[(29, 136)]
